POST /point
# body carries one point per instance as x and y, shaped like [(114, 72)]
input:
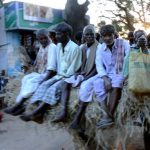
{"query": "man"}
[(131, 39), (52, 36), (132, 100), (140, 39), (87, 70), (109, 62), (43, 69), (67, 61)]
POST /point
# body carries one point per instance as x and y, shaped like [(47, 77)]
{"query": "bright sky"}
[(60, 4)]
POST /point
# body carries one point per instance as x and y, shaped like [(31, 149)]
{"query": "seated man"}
[(140, 42), (109, 62), (87, 69), (67, 61), (43, 69), (137, 106)]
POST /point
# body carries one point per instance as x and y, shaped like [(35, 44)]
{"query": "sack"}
[(139, 72)]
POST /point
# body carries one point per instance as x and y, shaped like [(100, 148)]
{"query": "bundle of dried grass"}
[(133, 107), (112, 138), (12, 90)]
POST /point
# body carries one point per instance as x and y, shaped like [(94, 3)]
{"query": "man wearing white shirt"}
[(86, 71), (43, 69), (109, 63), (66, 61)]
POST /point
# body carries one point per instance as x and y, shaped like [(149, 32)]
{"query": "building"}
[(19, 21)]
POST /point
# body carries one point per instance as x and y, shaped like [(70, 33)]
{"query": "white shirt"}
[(67, 62), (105, 63), (87, 50), (51, 64)]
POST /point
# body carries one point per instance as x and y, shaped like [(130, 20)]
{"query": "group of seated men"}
[(95, 68)]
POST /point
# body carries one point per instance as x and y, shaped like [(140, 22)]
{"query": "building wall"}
[(3, 41), (13, 37)]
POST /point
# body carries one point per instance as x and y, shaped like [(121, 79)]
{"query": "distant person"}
[(98, 37), (79, 38), (148, 41), (131, 39), (116, 35), (52, 35)]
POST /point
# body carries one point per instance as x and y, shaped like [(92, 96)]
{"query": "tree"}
[(122, 14), (126, 12), (142, 9), (75, 14)]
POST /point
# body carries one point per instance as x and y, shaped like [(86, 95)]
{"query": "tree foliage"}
[(125, 13), (75, 14)]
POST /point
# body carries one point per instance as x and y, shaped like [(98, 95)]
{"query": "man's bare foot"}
[(26, 117), (74, 125), (10, 110), (19, 111)]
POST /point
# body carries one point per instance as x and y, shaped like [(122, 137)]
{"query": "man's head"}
[(108, 34), (98, 36), (89, 34), (140, 38), (131, 37), (78, 37), (148, 40), (63, 32), (52, 35), (42, 36)]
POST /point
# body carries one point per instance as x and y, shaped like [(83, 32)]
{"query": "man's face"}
[(131, 38), (108, 38), (141, 39), (61, 37), (89, 36), (43, 40)]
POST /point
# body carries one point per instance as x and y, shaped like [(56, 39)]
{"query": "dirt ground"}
[(18, 135)]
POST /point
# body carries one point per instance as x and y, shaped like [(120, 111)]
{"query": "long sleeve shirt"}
[(106, 59), (69, 61)]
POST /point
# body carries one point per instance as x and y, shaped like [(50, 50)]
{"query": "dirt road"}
[(18, 135)]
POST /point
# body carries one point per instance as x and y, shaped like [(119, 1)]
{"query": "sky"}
[(60, 4)]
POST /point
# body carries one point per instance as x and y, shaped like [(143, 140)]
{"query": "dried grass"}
[(117, 137)]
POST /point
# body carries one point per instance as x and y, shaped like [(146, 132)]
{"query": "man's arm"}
[(99, 64), (91, 74), (107, 83), (49, 74), (102, 71)]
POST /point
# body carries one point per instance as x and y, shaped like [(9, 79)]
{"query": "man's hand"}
[(107, 83), (76, 75)]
